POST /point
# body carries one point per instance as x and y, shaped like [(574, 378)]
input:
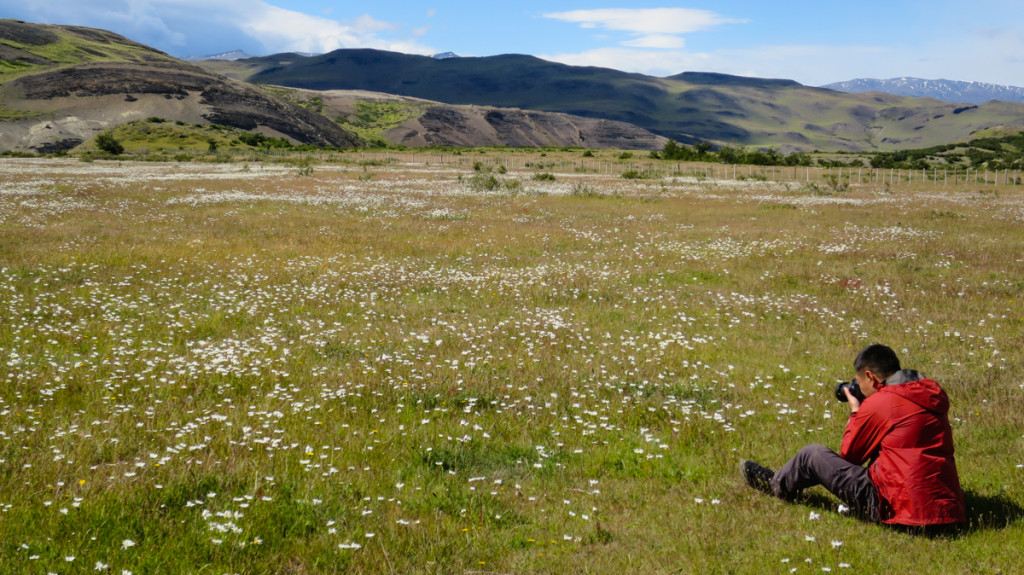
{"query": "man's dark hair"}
[(878, 358)]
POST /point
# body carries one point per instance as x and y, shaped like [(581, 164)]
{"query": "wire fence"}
[(652, 168)]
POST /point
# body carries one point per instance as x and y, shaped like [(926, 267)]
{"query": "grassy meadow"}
[(405, 368)]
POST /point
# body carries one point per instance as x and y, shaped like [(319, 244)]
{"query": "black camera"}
[(854, 391)]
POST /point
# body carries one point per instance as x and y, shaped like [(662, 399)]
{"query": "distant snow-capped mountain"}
[(946, 90), (232, 55)]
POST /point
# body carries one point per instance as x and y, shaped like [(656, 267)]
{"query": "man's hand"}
[(854, 402)]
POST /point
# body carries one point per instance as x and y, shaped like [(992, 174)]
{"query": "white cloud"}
[(645, 21), (651, 28), (286, 30), (207, 26), (660, 41)]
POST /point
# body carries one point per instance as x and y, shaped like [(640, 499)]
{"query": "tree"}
[(730, 155), (671, 150), (107, 143)]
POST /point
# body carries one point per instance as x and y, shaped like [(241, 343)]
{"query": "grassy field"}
[(407, 368)]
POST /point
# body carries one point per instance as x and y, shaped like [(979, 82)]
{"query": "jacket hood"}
[(913, 386)]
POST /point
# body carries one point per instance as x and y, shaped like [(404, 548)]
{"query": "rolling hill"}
[(688, 107), (61, 85)]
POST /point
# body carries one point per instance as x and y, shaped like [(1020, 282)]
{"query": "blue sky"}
[(811, 42)]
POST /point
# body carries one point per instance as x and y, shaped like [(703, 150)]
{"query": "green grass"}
[(166, 139), (212, 369), (311, 102), (370, 119), (373, 118)]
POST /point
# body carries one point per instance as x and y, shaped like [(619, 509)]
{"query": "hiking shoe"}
[(757, 476)]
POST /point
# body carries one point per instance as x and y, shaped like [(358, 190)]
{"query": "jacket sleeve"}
[(863, 436)]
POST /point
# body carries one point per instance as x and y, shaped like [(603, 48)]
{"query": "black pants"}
[(819, 465)]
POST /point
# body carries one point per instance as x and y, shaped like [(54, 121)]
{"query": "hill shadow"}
[(984, 513)]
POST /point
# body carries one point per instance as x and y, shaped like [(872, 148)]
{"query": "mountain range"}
[(62, 85), (229, 55), (687, 107), (945, 90)]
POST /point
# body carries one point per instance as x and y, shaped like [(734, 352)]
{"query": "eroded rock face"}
[(128, 90), (482, 126), (91, 80), (241, 106)]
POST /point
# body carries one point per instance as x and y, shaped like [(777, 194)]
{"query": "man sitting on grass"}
[(902, 428)]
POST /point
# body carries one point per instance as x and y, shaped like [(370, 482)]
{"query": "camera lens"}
[(854, 391)]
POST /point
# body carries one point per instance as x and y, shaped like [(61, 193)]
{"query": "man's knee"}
[(799, 472), (813, 451)]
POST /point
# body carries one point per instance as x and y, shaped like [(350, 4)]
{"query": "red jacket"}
[(903, 429)]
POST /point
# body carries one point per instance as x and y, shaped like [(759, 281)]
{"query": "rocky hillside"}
[(413, 122), (61, 85), (442, 125)]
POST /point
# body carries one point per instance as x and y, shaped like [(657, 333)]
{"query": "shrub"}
[(107, 143), (634, 175), (581, 190), (484, 181), (305, 167), (257, 140)]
